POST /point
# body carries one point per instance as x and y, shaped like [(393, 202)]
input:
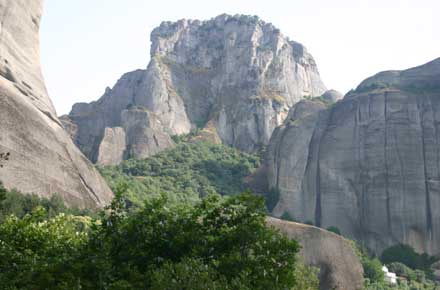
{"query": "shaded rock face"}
[(369, 164), (332, 96), (339, 265), (43, 158), (237, 74)]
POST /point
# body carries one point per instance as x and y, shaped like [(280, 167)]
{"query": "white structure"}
[(389, 276)]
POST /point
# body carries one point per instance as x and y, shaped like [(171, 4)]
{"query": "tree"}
[(38, 254), (217, 243), (225, 240), (407, 255), (334, 229)]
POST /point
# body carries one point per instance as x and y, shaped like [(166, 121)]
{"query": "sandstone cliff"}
[(236, 74), (43, 158), (340, 268), (369, 164)]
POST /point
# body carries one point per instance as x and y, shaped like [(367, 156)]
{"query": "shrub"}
[(185, 173), (406, 255), (287, 217), (334, 229), (272, 198), (217, 243)]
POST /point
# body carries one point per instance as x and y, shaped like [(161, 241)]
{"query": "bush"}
[(38, 254), (406, 255), (185, 173), (334, 230), (402, 270), (217, 243), (18, 204), (287, 217), (272, 198)]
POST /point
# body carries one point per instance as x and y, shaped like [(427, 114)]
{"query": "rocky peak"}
[(424, 77), (236, 74)]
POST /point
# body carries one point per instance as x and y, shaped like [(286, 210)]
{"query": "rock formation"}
[(339, 265), (236, 74), (332, 96), (369, 164), (43, 159)]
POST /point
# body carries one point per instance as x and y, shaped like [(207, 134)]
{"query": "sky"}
[(86, 45)]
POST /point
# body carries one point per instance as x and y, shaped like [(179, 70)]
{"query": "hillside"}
[(185, 173)]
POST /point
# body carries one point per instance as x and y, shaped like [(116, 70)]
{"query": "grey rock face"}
[(369, 164), (339, 265), (145, 133), (238, 74), (112, 147), (43, 158), (332, 96)]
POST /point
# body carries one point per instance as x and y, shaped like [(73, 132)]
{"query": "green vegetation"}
[(335, 230), (185, 173), (372, 266), (321, 99), (15, 203), (409, 279), (406, 255), (272, 198), (287, 217), (216, 243)]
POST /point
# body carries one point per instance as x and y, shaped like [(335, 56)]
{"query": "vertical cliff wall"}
[(43, 158), (369, 164)]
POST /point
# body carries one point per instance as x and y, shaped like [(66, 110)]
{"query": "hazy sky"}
[(88, 44)]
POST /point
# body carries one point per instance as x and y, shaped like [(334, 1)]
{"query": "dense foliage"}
[(216, 243), (185, 173), (409, 279), (408, 256), (15, 203)]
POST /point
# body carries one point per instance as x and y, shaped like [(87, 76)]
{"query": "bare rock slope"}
[(369, 164), (236, 74), (339, 265), (43, 160)]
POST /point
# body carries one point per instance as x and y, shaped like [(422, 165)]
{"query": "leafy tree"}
[(226, 240), (18, 204), (184, 173), (287, 217), (334, 229), (373, 269), (40, 254), (406, 255), (306, 277)]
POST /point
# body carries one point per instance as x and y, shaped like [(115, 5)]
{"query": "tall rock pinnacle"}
[(236, 74), (43, 159)]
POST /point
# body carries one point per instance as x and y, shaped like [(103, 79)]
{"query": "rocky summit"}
[(235, 74), (369, 164), (43, 159)]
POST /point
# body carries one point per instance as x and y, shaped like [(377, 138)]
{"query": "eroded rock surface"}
[(369, 164), (236, 74), (339, 265), (43, 158)]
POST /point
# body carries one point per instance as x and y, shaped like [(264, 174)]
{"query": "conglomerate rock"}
[(236, 74), (43, 159), (369, 164)]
